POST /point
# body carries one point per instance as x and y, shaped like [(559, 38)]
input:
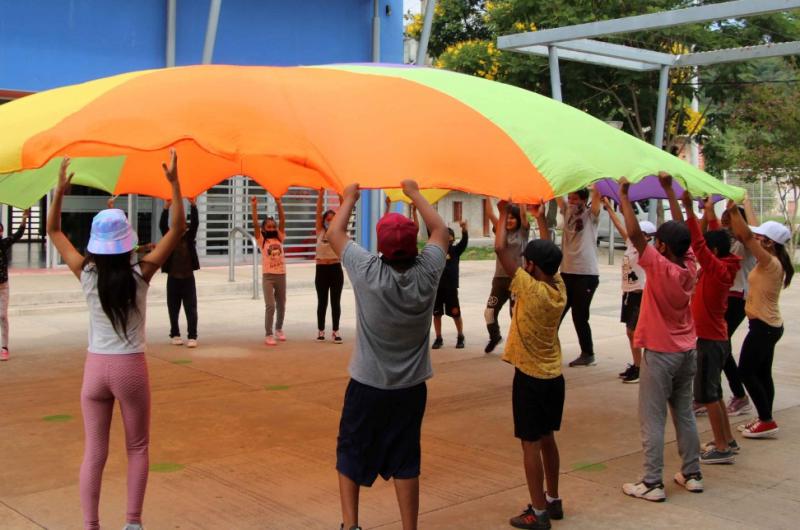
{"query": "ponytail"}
[(786, 263)]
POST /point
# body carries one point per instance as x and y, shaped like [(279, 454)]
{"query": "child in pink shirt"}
[(669, 360)]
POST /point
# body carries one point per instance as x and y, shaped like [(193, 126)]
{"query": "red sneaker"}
[(4, 354), (761, 429)]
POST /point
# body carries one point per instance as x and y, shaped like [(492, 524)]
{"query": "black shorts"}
[(447, 302), (711, 357), (631, 303), (538, 405), (379, 433)]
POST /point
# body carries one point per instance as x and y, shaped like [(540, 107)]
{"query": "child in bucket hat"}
[(116, 293)]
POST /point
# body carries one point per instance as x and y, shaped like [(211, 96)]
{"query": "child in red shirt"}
[(669, 360), (709, 304)]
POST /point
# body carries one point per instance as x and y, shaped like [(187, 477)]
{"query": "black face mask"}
[(269, 234)]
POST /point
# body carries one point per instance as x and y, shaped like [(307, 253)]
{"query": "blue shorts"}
[(379, 433)]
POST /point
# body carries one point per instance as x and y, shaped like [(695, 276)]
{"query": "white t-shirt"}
[(102, 337), (579, 242), (632, 274)]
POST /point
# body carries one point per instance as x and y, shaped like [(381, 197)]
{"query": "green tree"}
[(464, 33)]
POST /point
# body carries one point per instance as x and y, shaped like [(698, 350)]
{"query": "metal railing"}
[(232, 257)]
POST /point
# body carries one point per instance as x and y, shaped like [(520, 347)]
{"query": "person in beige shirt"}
[(772, 273)]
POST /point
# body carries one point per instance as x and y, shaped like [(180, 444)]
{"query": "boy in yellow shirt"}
[(535, 351)]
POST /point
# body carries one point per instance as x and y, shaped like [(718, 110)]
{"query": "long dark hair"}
[(786, 263), (116, 287)]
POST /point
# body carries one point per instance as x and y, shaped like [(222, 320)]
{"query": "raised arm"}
[(540, 214), (21, 229), (194, 219), (562, 205), (337, 230), (505, 255), (742, 231), (156, 258), (461, 246), (69, 254), (387, 201), (163, 222), (597, 202), (256, 223), (281, 219), (635, 235), (320, 200), (415, 216), (523, 217), (487, 207), (437, 229), (749, 211), (665, 179), (615, 219)]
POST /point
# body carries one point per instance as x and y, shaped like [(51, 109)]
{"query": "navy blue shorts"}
[(379, 433)]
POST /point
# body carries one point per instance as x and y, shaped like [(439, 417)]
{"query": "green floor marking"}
[(166, 467), (587, 466), (57, 418), (276, 387), (182, 361)]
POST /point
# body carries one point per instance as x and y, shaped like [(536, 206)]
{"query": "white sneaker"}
[(191, 343), (693, 483), (640, 490), (176, 341)]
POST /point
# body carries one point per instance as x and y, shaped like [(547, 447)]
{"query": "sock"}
[(551, 499), (539, 512)]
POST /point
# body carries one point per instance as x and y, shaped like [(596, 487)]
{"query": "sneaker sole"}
[(635, 381), (661, 499), (690, 490), (593, 363), (726, 460), (766, 434)]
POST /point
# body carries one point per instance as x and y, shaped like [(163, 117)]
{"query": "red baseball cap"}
[(397, 237)]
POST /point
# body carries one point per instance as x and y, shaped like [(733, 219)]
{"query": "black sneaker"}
[(529, 520), (555, 510), (493, 342), (460, 342), (583, 360), (625, 372), (437, 343), (633, 376)]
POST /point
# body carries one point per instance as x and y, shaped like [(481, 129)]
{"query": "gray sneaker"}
[(132, 526), (583, 360), (716, 456), (733, 445)]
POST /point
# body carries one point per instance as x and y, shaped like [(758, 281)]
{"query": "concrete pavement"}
[(243, 436)]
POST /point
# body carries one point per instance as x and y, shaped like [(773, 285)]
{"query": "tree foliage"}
[(464, 34)]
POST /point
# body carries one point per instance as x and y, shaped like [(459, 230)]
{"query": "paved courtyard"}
[(243, 436)]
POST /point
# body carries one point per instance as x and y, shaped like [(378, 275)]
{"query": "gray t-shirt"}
[(393, 317), (516, 241), (579, 242)]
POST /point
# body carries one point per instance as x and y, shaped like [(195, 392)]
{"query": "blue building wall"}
[(50, 43)]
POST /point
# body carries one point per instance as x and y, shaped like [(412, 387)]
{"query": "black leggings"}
[(501, 293), (755, 365), (182, 291), (329, 278), (580, 291), (734, 316)]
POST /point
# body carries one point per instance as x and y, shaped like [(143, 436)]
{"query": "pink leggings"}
[(105, 378)]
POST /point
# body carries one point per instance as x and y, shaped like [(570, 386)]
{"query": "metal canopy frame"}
[(577, 43)]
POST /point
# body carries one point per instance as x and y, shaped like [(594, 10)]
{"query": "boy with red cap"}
[(709, 305), (379, 432)]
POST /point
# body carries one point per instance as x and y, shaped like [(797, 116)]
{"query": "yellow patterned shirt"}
[(533, 344)]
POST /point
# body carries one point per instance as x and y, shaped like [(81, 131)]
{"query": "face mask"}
[(269, 234)]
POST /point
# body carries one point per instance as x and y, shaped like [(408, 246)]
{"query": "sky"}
[(412, 5)]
